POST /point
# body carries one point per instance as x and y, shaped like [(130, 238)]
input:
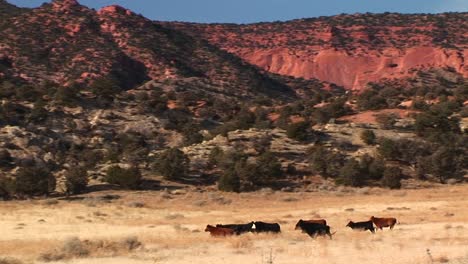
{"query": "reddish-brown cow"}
[(383, 222), (219, 231)]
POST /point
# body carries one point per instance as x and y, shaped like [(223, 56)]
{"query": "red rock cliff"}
[(349, 50)]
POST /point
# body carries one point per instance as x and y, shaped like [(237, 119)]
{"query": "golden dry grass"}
[(171, 227)]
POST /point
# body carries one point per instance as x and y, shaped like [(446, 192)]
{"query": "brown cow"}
[(219, 231), (383, 222)]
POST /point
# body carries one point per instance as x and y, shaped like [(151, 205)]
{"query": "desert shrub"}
[(131, 243), (386, 121), (320, 116), (74, 247), (191, 132), (76, 180), (447, 162), (66, 95), (10, 261), (376, 169), (230, 158), (112, 154), (350, 174), (6, 160), (337, 108), (372, 168), (261, 119), (262, 144), (229, 181), (7, 187), (291, 169), (436, 125), (241, 174), (92, 158), (35, 180), (392, 177), (105, 88), (368, 136), (38, 112), (215, 156), (369, 99), (324, 161), (299, 131), (419, 105), (126, 178), (244, 119), (173, 164), (267, 169), (388, 149)]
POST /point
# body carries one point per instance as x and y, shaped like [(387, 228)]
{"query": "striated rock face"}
[(355, 72), (348, 50)]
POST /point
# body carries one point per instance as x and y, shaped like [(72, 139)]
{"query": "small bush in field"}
[(126, 178), (173, 164), (229, 181), (350, 174), (10, 261), (76, 180), (34, 181), (74, 247), (392, 177), (131, 243)]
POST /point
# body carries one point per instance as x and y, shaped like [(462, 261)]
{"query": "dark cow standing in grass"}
[(380, 223), (366, 225), (262, 227), (219, 231), (314, 229), (239, 228), (316, 221)]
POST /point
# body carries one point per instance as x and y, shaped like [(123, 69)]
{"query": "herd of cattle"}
[(313, 228)]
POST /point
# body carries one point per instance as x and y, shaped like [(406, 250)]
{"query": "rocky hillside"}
[(67, 43), (113, 96), (348, 50)]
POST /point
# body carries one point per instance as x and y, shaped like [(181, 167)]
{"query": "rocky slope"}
[(67, 43), (348, 50)]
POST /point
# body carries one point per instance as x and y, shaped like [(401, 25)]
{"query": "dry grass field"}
[(160, 227)]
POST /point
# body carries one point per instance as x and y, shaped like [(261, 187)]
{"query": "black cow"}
[(366, 225), (262, 227), (239, 228), (314, 229)]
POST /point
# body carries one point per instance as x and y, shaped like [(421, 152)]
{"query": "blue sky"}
[(247, 11)]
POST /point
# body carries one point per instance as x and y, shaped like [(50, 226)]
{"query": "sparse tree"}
[(386, 121), (350, 173), (127, 178), (299, 131), (392, 177), (173, 164), (32, 181), (76, 180), (388, 149), (229, 181)]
